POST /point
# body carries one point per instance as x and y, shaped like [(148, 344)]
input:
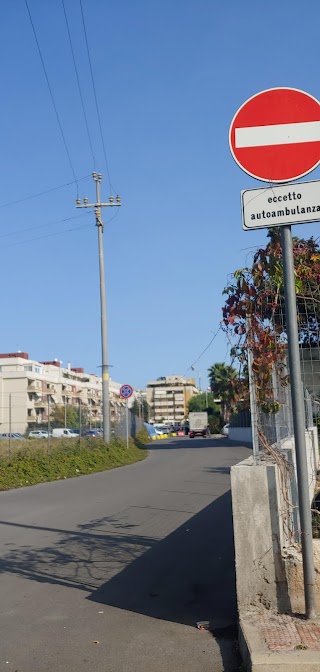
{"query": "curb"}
[(258, 658)]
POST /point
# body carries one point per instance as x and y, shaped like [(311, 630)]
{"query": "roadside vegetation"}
[(31, 462)]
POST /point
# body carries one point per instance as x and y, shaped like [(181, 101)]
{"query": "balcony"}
[(51, 389), (91, 395), (40, 403), (32, 418), (34, 387)]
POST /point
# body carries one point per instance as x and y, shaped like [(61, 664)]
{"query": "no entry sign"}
[(275, 135)]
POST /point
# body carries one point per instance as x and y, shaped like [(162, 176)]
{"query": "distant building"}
[(168, 398), (29, 390)]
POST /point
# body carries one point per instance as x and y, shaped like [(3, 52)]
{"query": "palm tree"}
[(223, 382)]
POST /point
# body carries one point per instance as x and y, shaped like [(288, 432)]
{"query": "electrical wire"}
[(41, 226), (79, 85), (59, 221), (205, 350), (42, 193), (52, 97), (48, 235), (95, 96)]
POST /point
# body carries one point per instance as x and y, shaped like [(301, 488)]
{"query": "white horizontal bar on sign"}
[(278, 134)]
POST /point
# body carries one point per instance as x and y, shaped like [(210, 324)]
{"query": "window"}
[(38, 369), (27, 368)]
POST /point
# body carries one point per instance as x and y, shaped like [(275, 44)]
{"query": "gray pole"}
[(104, 341), (298, 422), (127, 423), (104, 334), (80, 409), (10, 423), (65, 411), (253, 402)]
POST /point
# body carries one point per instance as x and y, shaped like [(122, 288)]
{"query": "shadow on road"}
[(186, 443), (187, 577)]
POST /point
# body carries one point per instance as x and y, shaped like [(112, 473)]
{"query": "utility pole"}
[(174, 406), (104, 336)]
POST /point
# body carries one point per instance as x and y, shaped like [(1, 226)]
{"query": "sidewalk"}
[(279, 643)]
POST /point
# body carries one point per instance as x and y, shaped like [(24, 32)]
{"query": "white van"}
[(61, 433)]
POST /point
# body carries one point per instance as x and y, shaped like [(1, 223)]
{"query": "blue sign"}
[(126, 391)]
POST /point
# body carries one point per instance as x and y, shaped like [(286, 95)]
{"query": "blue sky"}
[(170, 76)]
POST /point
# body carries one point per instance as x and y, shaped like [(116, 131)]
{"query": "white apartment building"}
[(29, 390), (168, 398)]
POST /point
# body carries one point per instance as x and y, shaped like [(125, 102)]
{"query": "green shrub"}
[(142, 437), (214, 424), (32, 463)]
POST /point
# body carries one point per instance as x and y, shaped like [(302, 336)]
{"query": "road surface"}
[(110, 572)]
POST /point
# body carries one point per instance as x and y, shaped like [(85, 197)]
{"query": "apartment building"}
[(29, 390), (168, 398)]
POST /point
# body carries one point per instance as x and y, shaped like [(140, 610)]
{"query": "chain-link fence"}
[(21, 418), (119, 426)]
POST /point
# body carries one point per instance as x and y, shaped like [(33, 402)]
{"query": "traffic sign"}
[(275, 135), (280, 205), (126, 391)]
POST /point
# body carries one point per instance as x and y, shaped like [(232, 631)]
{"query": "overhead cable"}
[(42, 193), (48, 235), (41, 226), (79, 85), (51, 95), (205, 350), (95, 95)]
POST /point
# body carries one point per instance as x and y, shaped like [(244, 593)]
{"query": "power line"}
[(48, 235), (95, 95), (41, 226), (42, 193), (79, 85), (205, 350), (51, 95)]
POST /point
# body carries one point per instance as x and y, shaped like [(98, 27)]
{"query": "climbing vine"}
[(254, 312)]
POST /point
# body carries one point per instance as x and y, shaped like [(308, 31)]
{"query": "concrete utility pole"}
[(104, 337)]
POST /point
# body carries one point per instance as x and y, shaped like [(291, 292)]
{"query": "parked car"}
[(92, 433), (15, 435), (38, 434), (64, 433), (225, 430)]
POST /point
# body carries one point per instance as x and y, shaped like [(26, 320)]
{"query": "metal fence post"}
[(275, 396), (10, 422), (253, 402)]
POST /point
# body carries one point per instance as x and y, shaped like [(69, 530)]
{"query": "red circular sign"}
[(275, 135), (126, 391)]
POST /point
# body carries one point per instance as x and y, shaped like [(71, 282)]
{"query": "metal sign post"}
[(274, 136), (298, 421), (127, 423), (126, 391)]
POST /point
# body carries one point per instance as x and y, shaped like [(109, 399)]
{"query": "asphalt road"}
[(111, 572)]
